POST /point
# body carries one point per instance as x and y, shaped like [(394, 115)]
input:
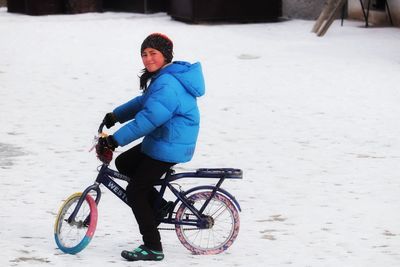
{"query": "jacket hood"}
[(189, 75)]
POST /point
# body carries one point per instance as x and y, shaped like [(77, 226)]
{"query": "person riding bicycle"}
[(167, 116)]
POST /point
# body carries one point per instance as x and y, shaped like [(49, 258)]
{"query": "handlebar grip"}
[(101, 128)]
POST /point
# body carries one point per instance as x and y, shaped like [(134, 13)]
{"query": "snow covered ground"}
[(313, 122)]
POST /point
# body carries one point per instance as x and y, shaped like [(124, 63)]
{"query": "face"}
[(153, 60)]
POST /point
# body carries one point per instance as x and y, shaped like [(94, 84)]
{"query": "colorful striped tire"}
[(223, 224), (73, 237)]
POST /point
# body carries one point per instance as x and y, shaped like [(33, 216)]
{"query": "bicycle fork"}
[(94, 187)]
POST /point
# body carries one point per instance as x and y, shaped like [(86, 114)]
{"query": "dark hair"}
[(145, 77)]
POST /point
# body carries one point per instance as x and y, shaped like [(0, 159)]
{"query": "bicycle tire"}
[(73, 237), (220, 236)]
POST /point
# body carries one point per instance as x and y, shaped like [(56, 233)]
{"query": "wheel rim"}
[(74, 236), (222, 231)]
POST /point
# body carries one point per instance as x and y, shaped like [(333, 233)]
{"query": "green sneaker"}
[(142, 253)]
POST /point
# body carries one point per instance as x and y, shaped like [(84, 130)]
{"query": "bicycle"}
[(206, 217)]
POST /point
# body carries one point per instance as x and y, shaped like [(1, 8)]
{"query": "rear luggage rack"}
[(220, 172)]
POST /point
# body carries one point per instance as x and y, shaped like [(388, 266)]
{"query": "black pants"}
[(141, 193)]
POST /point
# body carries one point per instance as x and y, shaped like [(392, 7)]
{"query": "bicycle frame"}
[(106, 176)]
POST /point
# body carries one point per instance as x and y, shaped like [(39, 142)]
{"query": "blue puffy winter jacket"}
[(166, 114)]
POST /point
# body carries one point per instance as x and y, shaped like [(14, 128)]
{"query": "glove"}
[(109, 120), (105, 147)]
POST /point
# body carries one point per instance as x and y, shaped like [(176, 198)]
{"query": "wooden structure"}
[(331, 10), (140, 6), (48, 7), (329, 13), (195, 11)]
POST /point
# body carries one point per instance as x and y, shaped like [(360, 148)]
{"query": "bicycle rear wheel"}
[(223, 229), (73, 237)]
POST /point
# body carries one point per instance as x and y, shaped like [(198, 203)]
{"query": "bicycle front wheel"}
[(223, 226), (72, 237)]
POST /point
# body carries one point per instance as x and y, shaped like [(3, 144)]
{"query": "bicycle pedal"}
[(165, 210)]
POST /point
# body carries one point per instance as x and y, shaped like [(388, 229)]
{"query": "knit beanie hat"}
[(160, 42)]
